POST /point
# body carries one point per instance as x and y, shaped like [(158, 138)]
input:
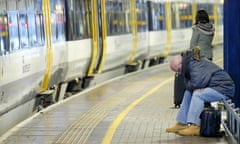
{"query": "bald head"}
[(176, 63)]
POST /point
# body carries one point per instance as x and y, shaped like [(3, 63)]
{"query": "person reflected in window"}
[(203, 33)]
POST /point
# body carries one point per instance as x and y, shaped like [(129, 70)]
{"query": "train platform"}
[(132, 109)]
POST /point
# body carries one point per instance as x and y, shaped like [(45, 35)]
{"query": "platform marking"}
[(111, 130)]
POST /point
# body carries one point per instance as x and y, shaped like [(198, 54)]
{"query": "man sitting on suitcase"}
[(205, 82)]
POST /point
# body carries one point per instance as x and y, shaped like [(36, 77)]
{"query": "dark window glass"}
[(20, 29), (142, 16), (220, 14), (38, 5), (58, 20), (32, 29), (13, 32), (3, 35), (118, 17), (23, 31), (39, 29), (78, 25), (181, 15), (156, 16)]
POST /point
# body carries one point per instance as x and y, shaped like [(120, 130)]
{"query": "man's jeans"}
[(193, 104)]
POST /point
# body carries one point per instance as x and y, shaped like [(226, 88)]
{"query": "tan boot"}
[(176, 128), (192, 130)]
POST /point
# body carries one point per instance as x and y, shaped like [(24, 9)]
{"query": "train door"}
[(94, 6), (101, 34), (56, 51), (181, 26), (157, 32), (112, 38), (118, 37)]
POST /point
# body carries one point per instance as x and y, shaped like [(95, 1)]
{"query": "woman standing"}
[(203, 33)]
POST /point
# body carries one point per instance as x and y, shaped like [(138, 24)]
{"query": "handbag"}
[(211, 122)]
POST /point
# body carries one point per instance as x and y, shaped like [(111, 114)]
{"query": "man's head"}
[(176, 63)]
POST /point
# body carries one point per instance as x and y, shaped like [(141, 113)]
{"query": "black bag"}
[(179, 89), (210, 122), (179, 84)]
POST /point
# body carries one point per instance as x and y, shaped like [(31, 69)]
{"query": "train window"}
[(40, 37), (11, 5), (220, 14), (23, 31), (54, 27), (156, 16), (21, 5), (38, 5), (127, 17), (3, 34), (181, 15), (3, 6), (111, 18), (142, 17), (80, 21), (32, 29), (3, 28), (20, 29), (118, 17), (30, 4), (58, 20), (78, 26), (13, 32)]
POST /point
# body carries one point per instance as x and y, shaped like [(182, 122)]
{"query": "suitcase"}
[(179, 89)]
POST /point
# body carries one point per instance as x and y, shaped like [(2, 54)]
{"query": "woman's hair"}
[(202, 17)]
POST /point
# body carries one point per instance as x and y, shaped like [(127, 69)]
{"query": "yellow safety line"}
[(111, 130), (104, 35), (114, 125)]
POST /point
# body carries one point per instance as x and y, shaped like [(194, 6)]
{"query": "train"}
[(52, 49)]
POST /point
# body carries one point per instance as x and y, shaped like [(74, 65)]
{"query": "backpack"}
[(210, 123)]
